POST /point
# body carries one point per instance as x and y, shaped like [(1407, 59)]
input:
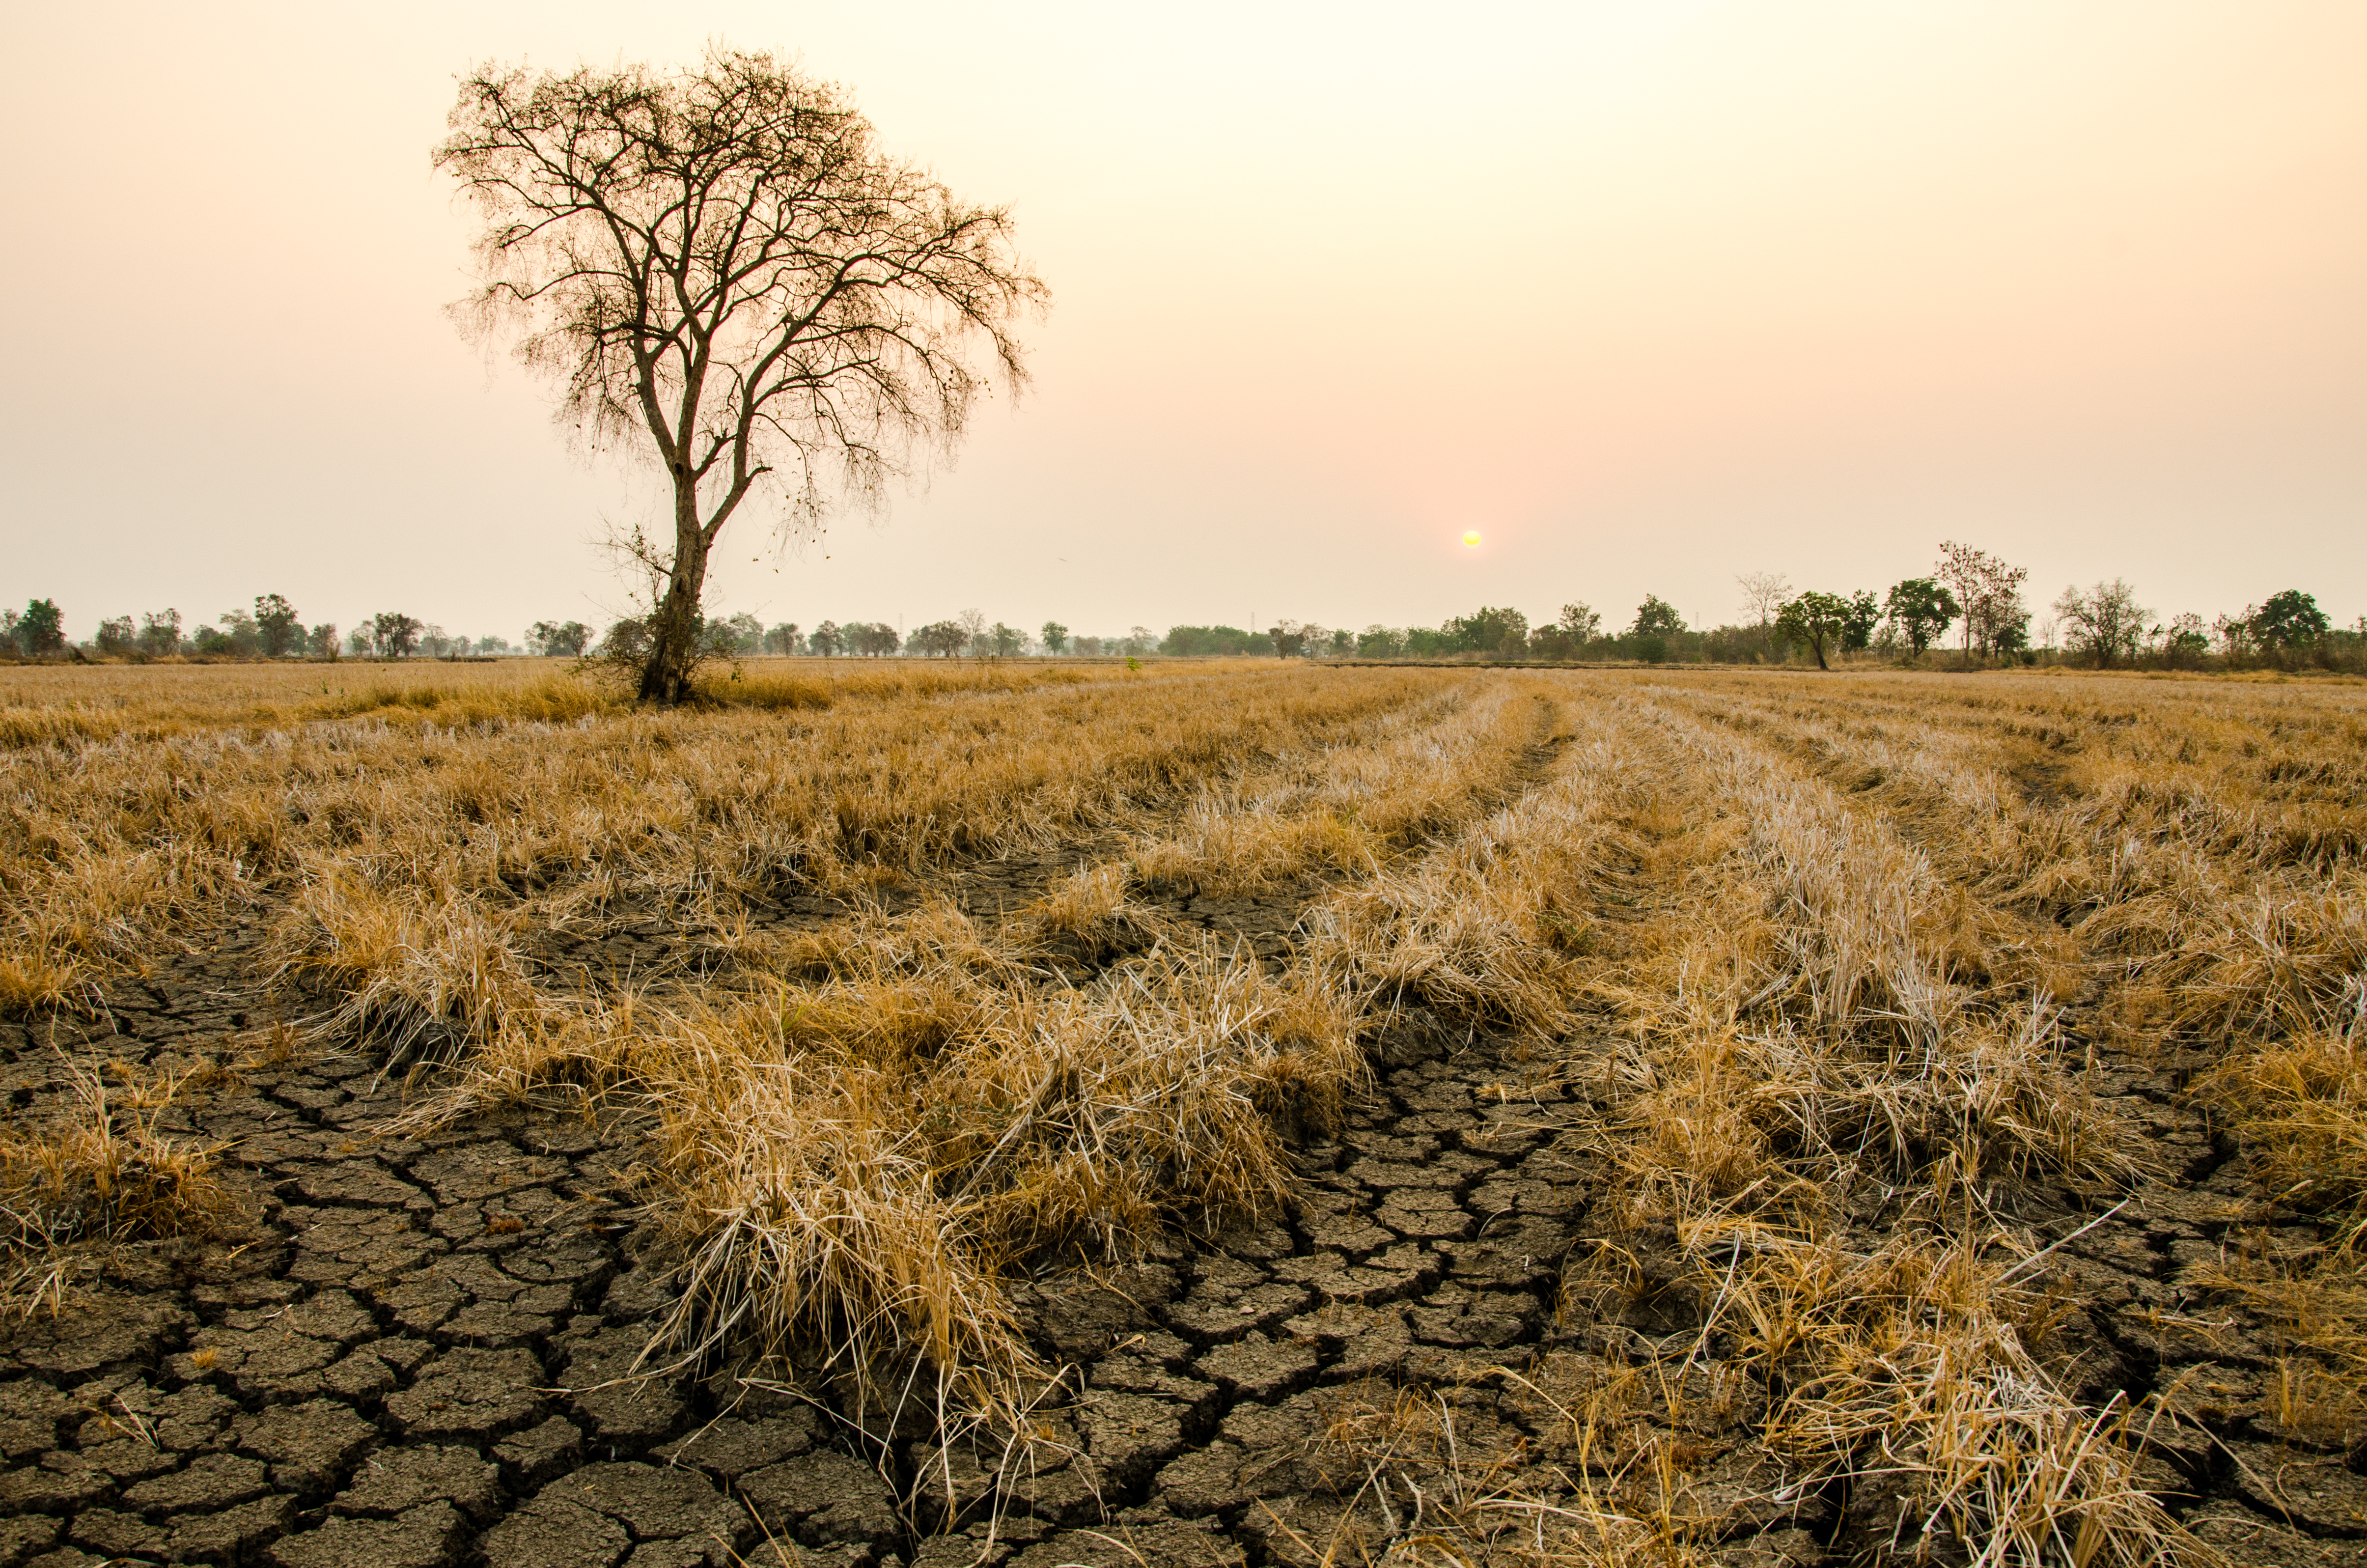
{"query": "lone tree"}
[(1656, 617), (1921, 609), (1821, 620), (2289, 619), (729, 275), (277, 626), (1763, 594)]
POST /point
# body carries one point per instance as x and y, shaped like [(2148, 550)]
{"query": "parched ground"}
[(416, 1351), (420, 1349)]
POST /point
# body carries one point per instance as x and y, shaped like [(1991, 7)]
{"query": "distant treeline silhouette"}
[(1970, 593)]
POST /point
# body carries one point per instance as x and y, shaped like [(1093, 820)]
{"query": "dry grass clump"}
[(2303, 1103), (853, 1158), (100, 1170), (1482, 928), (31, 982), (422, 978), (1907, 1372)]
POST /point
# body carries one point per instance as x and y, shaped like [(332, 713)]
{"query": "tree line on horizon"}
[(1975, 596)]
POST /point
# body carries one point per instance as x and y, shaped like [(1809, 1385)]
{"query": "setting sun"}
[(1471, 539)]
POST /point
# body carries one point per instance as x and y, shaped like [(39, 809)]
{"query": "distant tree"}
[(731, 277), (1006, 642), (1581, 622), (2104, 622), (2184, 640), (1487, 630), (2289, 619), (1763, 595), (784, 639), (239, 637), (874, 640), (741, 633), (322, 641), (557, 639), (160, 633), (1139, 640), (394, 634), (1987, 592), (1377, 642), (359, 641), (117, 637), (1055, 637), (42, 627), (1342, 643), (1820, 621), (627, 640), (212, 641), (1185, 642), (973, 625), (1289, 638), (435, 642), (1654, 616), (1553, 643), (1088, 647), (825, 641), (279, 629), (1864, 614), (939, 639), (1422, 642), (1921, 609)]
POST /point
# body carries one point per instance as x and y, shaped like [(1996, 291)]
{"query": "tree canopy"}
[(1820, 621)]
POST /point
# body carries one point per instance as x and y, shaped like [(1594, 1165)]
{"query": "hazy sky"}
[(1649, 293)]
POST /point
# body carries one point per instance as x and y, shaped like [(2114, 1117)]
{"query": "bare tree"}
[(973, 625), (2105, 621), (729, 275), (1763, 594)]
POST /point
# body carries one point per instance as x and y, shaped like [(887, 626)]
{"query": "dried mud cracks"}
[(415, 1355)]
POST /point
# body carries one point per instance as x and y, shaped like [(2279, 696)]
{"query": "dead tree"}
[(729, 277)]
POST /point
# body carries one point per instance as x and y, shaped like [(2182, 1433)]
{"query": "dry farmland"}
[(1201, 1115)]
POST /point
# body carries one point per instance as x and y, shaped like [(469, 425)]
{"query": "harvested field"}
[(1197, 1115)]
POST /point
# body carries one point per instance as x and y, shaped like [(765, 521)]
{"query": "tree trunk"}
[(674, 630)]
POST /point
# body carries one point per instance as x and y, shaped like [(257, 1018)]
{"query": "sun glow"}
[(1470, 538)]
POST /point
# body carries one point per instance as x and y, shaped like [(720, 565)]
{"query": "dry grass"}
[(1807, 1019), (97, 1169), (1831, 956), (855, 1158)]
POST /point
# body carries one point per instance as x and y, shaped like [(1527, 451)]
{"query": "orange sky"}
[(1652, 294)]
